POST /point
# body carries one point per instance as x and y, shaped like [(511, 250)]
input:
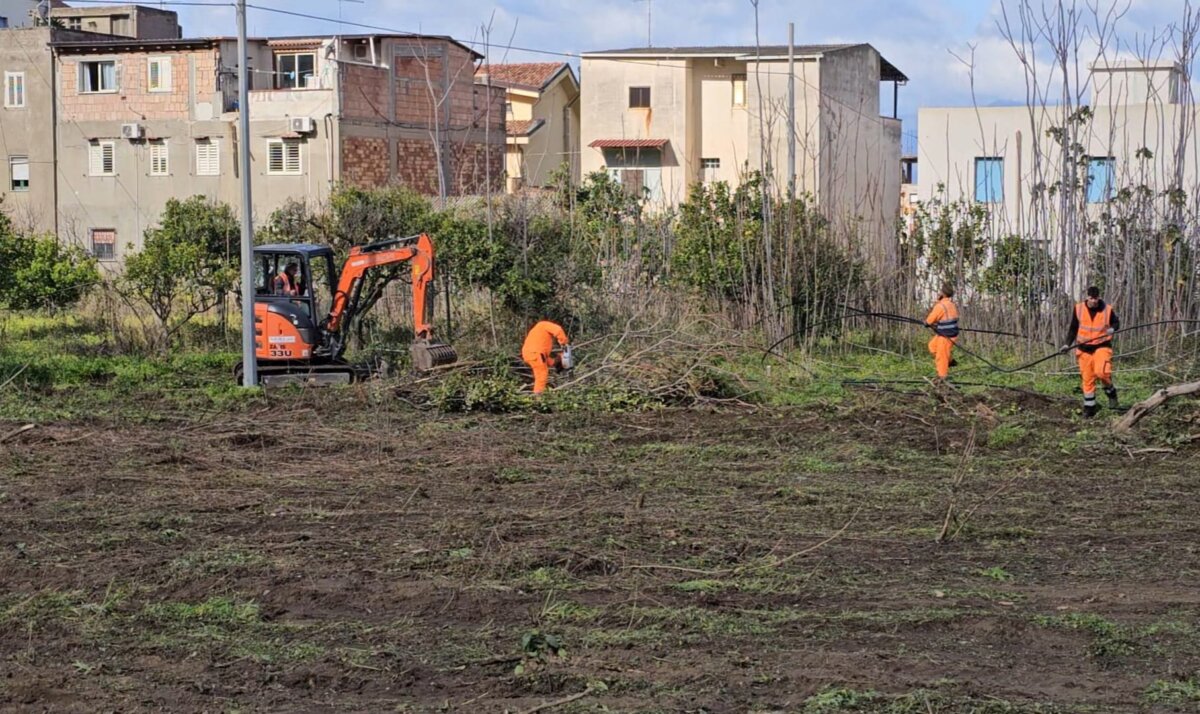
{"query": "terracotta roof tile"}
[(530, 75), (523, 127), (628, 143)]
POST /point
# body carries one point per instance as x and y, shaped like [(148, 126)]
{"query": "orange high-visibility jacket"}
[(541, 338), (284, 285), (943, 318), (1093, 330)]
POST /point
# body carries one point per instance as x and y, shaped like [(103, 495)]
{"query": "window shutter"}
[(158, 159), (109, 158), (155, 75), (208, 157), (101, 158), (292, 159), (20, 168), (275, 157)]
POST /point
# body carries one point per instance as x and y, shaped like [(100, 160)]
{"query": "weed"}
[(1109, 639), (509, 474), (1006, 435), (1176, 693), (996, 573)]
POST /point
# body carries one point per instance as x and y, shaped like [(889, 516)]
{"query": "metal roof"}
[(305, 248), (628, 143), (888, 72), (128, 44)]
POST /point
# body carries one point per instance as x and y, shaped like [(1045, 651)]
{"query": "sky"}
[(927, 39)]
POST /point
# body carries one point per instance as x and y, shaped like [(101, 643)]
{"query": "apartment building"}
[(27, 124), (661, 119), (143, 121), (542, 116), (1008, 157)]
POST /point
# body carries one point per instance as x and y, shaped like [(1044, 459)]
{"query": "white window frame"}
[(13, 162), (738, 87), (164, 74), (96, 150), (285, 161), (12, 80), (298, 81), (160, 157), (116, 76), (208, 165)]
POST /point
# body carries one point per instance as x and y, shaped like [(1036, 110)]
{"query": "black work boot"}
[(1089, 410), (1113, 402)]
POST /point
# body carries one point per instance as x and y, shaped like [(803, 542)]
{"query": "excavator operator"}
[(538, 349), (286, 283)]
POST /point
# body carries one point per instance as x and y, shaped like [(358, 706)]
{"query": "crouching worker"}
[(943, 320), (1092, 326), (538, 351)]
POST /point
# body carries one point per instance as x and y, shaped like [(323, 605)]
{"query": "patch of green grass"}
[(509, 474), (996, 573), (217, 611), (568, 611), (700, 586), (548, 578), (212, 562), (1175, 693), (1110, 640), (1004, 436)]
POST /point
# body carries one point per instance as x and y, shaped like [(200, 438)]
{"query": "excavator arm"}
[(417, 250)]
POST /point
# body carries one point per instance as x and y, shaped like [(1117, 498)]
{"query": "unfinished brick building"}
[(143, 121)]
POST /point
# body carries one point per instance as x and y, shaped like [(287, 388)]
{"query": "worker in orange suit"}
[(538, 351), (943, 320), (286, 283), (1092, 326)]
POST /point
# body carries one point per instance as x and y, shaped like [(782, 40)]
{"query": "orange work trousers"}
[(540, 364), (1097, 365), (941, 349)]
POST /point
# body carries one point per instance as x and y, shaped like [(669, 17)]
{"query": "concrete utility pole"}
[(249, 361), (791, 112)]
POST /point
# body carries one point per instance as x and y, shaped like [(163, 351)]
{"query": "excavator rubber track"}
[(275, 374)]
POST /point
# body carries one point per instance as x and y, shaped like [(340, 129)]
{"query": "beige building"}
[(143, 121), (134, 21), (662, 119), (542, 116), (1008, 157)]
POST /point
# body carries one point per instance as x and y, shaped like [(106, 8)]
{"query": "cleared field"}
[(339, 551)]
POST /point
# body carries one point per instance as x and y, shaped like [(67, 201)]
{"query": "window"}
[(295, 70), (639, 171), (99, 76), (74, 23), (1100, 179), (739, 90), (104, 243), (18, 169), (710, 163), (3, 23), (208, 157), (989, 179), (639, 97), (101, 158), (158, 74), (159, 159), (14, 90), (283, 157)]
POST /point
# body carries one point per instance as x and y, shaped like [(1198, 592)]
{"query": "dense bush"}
[(40, 272)]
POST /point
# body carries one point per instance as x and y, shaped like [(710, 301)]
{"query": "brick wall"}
[(365, 162), (416, 165), (133, 101), (470, 166), (365, 93)]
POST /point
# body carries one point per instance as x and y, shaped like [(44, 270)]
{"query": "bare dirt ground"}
[(336, 552)]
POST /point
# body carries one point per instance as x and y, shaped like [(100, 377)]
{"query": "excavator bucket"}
[(427, 354)]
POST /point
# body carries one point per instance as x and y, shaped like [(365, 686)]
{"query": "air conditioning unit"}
[(303, 125), (362, 52), (133, 131)]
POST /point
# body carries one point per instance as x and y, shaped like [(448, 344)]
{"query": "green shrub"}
[(40, 272)]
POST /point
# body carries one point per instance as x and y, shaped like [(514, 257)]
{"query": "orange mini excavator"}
[(303, 309)]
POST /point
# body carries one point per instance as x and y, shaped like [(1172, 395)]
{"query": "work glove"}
[(1066, 348), (1109, 331)]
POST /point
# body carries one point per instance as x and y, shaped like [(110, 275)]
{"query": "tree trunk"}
[(1142, 408)]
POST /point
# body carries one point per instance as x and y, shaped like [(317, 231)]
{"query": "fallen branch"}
[(17, 432), (960, 474), (559, 702), (1144, 407)]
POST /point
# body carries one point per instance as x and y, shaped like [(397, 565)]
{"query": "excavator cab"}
[(289, 317)]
